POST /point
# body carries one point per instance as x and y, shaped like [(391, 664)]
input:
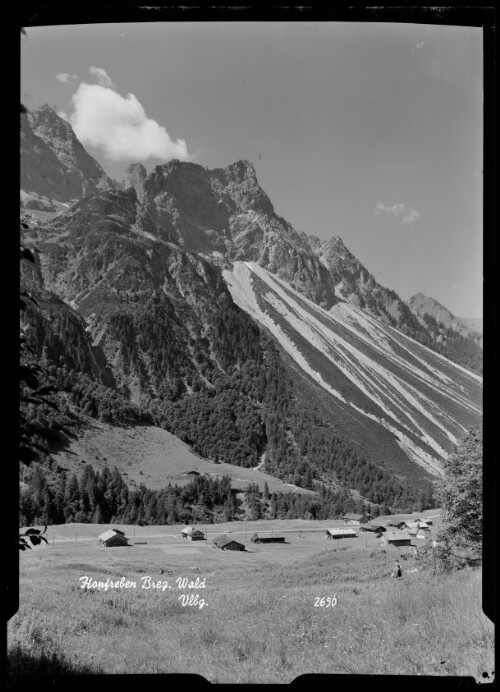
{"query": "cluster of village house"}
[(389, 532)]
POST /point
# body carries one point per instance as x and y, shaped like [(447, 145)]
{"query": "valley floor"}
[(261, 618)]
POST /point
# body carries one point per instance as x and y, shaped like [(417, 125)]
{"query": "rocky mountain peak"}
[(54, 163), (136, 170), (421, 303), (333, 251), (418, 297), (59, 135), (237, 185), (240, 171), (46, 119), (135, 175)]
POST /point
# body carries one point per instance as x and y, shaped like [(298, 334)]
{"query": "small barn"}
[(341, 533), (267, 538), (373, 528), (225, 543), (396, 538), (192, 534), (351, 518), (113, 538)]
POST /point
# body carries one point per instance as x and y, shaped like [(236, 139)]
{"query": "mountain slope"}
[(399, 393), (148, 330), (54, 164), (172, 342), (166, 327), (356, 285)]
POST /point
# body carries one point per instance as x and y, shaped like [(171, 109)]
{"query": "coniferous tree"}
[(461, 496)]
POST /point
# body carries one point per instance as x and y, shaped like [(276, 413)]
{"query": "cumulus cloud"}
[(102, 77), (410, 216), (65, 77), (399, 211), (119, 126)]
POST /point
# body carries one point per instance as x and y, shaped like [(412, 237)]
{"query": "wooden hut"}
[(225, 543), (351, 518), (265, 537), (112, 538), (395, 538), (373, 528), (192, 533), (341, 533)]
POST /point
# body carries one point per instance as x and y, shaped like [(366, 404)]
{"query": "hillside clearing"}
[(154, 457)]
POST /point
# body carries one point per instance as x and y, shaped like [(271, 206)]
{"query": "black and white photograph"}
[(251, 351)]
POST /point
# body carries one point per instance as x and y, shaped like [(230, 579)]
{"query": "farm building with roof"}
[(351, 518), (267, 538), (225, 543), (192, 534), (373, 528), (341, 533), (396, 538), (112, 538)]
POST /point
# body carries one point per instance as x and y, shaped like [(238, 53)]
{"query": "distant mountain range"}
[(182, 299), (475, 324), (422, 305)]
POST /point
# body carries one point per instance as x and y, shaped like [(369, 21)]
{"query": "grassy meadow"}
[(153, 456), (260, 623)]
